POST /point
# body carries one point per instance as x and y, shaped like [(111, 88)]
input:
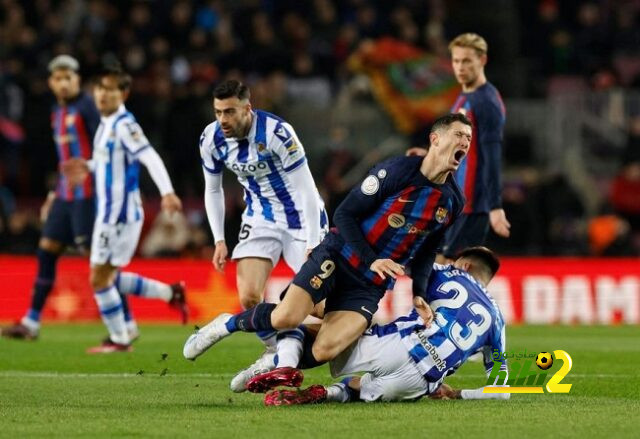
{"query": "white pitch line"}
[(49, 374), (28, 374)]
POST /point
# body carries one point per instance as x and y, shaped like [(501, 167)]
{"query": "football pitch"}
[(51, 388)]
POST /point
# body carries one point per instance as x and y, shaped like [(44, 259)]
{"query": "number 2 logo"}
[(554, 386)]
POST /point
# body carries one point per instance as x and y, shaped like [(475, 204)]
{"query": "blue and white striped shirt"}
[(261, 161), (467, 320), (117, 143)]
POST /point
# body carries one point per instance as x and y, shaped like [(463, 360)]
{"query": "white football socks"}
[(338, 393), (110, 306), (290, 347), (132, 283)]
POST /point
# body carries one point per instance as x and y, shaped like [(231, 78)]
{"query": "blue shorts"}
[(326, 275), (468, 230), (71, 222)]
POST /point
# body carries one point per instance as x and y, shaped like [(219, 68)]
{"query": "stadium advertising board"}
[(531, 290)]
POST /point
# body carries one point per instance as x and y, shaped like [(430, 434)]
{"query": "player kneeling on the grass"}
[(119, 148), (395, 218), (407, 359)]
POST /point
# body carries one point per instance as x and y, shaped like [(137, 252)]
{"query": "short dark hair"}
[(231, 88), (482, 256), (115, 69), (448, 119)]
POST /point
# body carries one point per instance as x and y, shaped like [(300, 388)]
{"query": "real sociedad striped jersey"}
[(116, 169), (467, 320), (399, 212), (74, 126), (261, 161), (479, 173)]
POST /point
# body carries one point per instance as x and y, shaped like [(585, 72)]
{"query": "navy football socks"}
[(307, 360), (44, 280), (254, 319)]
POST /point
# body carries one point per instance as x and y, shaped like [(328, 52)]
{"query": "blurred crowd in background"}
[(294, 55)]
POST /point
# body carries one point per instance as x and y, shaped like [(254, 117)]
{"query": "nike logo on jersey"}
[(405, 201), (366, 310)]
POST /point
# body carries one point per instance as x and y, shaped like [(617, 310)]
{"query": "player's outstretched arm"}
[(355, 206), (446, 392), (154, 164)]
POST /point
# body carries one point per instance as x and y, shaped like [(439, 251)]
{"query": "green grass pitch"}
[(51, 388)]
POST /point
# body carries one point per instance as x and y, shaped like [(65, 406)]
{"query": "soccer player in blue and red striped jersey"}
[(479, 174), (407, 358), (395, 219), (69, 211)]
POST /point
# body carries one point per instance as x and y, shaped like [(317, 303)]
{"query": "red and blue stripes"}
[(468, 169), (72, 140), (416, 206), (423, 211)]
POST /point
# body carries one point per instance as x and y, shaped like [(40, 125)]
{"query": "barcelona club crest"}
[(315, 282), (441, 214)]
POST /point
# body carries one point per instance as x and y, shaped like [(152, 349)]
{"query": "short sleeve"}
[(286, 145), (131, 135)]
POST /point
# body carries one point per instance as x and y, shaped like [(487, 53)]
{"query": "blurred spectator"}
[(22, 233), (169, 236), (518, 202), (295, 52), (624, 194), (561, 215), (609, 236), (339, 161)]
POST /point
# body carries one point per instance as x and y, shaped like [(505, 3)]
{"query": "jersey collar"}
[(112, 117)]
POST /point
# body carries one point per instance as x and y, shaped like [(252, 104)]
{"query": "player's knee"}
[(282, 319), (249, 293), (98, 280), (50, 245), (249, 300), (324, 350)]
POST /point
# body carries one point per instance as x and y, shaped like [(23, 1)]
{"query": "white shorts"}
[(260, 239), (114, 243), (391, 373)]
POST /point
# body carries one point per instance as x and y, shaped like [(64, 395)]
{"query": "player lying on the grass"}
[(407, 359), (120, 147), (396, 217)]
